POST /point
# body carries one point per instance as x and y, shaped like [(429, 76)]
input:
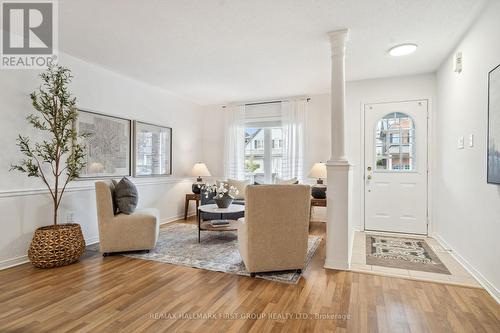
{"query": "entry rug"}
[(218, 251), (406, 253)]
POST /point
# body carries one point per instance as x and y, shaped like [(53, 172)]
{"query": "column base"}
[(337, 228), (338, 265)]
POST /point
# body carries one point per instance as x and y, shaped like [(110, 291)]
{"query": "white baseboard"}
[(92, 240), (13, 262), (487, 285), (357, 228), (177, 217)]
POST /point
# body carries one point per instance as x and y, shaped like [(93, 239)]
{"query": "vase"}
[(318, 191), (56, 245), (223, 202), (196, 187)]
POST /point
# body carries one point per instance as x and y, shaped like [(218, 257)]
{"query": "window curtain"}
[(294, 124), (234, 142)]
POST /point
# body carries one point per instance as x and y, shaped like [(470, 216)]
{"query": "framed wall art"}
[(494, 126), (152, 150), (108, 144)]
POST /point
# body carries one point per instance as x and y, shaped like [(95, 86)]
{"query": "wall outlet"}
[(70, 217), (460, 143), (471, 140)]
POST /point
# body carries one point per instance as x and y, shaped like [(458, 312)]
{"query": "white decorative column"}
[(338, 168)]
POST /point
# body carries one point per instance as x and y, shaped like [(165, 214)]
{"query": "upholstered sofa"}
[(121, 232), (274, 232)]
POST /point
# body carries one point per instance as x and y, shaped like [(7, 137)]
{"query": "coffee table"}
[(214, 209)]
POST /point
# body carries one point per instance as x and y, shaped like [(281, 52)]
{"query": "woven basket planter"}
[(56, 245)]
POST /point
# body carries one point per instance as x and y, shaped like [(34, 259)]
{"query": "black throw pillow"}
[(126, 196), (112, 187)]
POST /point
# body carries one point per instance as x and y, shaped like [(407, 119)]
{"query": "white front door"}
[(396, 167)]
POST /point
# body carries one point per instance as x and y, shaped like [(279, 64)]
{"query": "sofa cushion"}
[(240, 185), (126, 196), (287, 181), (220, 181)]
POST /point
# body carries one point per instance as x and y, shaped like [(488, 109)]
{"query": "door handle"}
[(369, 173)]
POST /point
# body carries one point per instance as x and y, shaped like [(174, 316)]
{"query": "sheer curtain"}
[(234, 142), (294, 124)]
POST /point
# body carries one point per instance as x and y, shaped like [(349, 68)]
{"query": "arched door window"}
[(395, 143)]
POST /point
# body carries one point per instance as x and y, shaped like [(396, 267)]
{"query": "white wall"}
[(466, 209), (23, 202), (318, 143), (213, 139)]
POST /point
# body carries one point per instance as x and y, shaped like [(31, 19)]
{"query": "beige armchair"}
[(121, 232), (273, 234)]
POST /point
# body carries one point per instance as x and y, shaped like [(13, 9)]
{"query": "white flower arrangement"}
[(220, 191)]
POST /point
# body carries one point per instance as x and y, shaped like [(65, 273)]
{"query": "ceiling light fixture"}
[(402, 50)]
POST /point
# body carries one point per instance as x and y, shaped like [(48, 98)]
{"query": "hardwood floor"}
[(121, 294)]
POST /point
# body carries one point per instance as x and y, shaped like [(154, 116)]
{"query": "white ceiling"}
[(217, 51)]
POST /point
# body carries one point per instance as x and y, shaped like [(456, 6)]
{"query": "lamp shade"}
[(200, 170), (318, 171), (96, 167)]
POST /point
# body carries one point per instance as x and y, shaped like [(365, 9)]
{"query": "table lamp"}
[(318, 171), (199, 170)]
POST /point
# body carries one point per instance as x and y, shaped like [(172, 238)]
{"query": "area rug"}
[(218, 251), (406, 253)]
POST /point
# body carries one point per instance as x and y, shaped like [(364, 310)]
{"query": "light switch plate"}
[(460, 142), (471, 140), (457, 64)]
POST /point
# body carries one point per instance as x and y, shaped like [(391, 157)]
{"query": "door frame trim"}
[(429, 159)]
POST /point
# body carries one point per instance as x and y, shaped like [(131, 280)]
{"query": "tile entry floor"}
[(459, 276)]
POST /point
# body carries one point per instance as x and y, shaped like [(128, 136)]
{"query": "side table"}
[(189, 197), (316, 203)]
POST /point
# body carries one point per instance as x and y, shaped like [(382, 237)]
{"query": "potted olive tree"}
[(56, 158)]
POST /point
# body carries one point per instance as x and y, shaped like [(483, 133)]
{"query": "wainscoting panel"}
[(27, 209)]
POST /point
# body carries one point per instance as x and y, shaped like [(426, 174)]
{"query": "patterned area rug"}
[(218, 251), (407, 253)]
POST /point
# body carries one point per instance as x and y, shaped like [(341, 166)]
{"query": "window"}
[(395, 143), (258, 144), (263, 152), (277, 143)]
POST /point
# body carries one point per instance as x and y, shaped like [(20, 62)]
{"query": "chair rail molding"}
[(90, 186)]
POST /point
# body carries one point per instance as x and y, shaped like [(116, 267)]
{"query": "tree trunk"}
[(55, 213), (56, 201)]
